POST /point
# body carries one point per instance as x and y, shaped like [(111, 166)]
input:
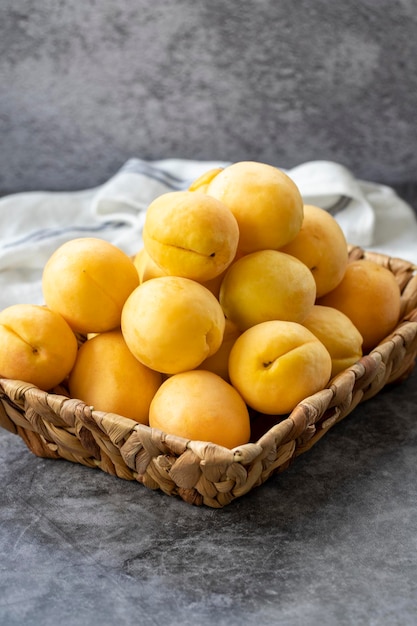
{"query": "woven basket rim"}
[(52, 424)]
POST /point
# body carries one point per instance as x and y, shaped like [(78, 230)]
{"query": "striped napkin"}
[(34, 224)]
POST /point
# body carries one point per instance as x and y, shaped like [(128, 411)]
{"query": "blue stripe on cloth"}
[(339, 205)]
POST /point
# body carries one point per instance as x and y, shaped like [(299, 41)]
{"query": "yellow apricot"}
[(322, 246), (172, 324), (202, 182), (87, 281), (146, 266), (276, 364), (265, 201), (267, 285), (370, 297), (201, 406), (36, 345), (218, 363), (215, 283), (108, 377), (338, 334), (190, 234)]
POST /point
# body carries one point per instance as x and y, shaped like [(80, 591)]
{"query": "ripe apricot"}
[(190, 234), (322, 246), (218, 363), (108, 377), (146, 266), (338, 334), (267, 285), (370, 296), (87, 281), (276, 364), (201, 406), (172, 324), (36, 345), (202, 182), (265, 201), (215, 283)]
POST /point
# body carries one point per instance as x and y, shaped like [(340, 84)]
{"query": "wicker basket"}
[(56, 426)]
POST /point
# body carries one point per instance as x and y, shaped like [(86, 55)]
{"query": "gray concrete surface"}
[(86, 85)]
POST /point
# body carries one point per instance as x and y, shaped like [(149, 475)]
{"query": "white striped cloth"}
[(34, 224)]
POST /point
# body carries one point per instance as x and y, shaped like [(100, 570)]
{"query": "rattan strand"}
[(55, 426)]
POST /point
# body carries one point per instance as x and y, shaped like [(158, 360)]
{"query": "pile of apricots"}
[(240, 297)]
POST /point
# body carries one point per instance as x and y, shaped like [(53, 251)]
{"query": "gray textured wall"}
[(87, 84)]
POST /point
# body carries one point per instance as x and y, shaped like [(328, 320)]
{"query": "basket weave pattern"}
[(55, 426)]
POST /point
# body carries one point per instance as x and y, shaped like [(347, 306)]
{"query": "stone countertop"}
[(331, 541)]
